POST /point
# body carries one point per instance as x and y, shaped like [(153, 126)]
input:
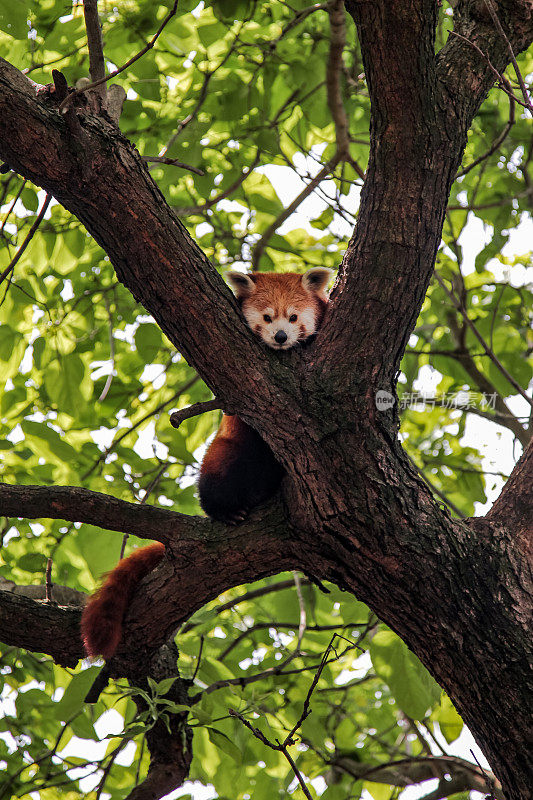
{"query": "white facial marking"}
[(268, 330), (253, 317), (308, 318)]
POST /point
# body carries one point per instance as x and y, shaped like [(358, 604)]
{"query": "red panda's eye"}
[(267, 318), (293, 317)]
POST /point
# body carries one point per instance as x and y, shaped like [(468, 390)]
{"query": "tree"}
[(220, 91)]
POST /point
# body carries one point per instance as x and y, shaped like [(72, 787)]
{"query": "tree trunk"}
[(352, 510)]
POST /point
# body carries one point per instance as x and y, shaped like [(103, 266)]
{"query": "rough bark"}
[(352, 510)]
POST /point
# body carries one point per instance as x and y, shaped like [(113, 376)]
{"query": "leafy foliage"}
[(237, 90)]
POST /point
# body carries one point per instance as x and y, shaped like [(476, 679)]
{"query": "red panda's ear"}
[(316, 279), (242, 284)]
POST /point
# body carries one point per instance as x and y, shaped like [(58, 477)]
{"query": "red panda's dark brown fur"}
[(239, 470)]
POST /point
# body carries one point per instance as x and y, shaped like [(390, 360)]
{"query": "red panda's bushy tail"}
[(101, 622)]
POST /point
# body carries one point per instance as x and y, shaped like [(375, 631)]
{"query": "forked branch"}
[(95, 45)]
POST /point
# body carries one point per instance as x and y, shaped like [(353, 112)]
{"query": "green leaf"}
[(450, 723), (14, 18), (83, 727), (100, 550), (378, 791), (64, 382), (74, 696), (8, 339), (48, 443), (148, 341), (224, 743), (163, 686), (33, 562), (413, 688)]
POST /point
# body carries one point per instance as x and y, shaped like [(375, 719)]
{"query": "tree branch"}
[(173, 162), (410, 771), (333, 72), (223, 557), (41, 627), (70, 98), (95, 45), (497, 23), (81, 505), (170, 744), (261, 245), (342, 152), (514, 506), (421, 109), (31, 233), (117, 200), (488, 350), (192, 411)]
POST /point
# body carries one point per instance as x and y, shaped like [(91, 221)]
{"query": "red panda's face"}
[(282, 309)]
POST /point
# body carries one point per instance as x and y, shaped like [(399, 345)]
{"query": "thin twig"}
[(203, 91), (289, 739), (296, 771), (189, 118), (173, 162), (135, 58), (282, 748), (303, 616), (490, 780), (27, 240), (436, 491), (109, 379), (483, 383), (259, 676), (105, 453), (247, 171), (251, 595), (499, 139), (48, 580), (260, 247), (462, 310), (105, 774), (497, 23), (198, 659), (12, 206), (498, 75), (151, 486), (41, 64), (123, 546), (298, 17), (301, 625), (261, 626), (153, 483), (504, 201)]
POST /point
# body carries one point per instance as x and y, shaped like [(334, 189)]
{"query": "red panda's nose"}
[(280, 337)]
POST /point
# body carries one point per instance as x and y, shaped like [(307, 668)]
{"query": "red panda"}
[(239, 470)]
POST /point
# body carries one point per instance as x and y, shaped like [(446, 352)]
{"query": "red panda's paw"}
[(229, 516), (237, 517)]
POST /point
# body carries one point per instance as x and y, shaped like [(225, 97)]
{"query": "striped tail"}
[(101, 622)]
